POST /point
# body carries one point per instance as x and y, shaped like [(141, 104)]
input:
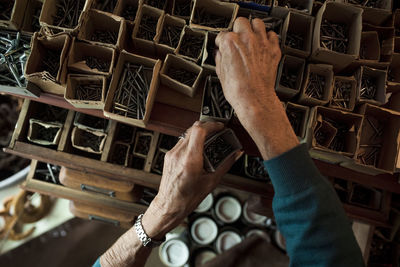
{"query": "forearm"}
[(129, 250), (268, 126), (309, 214)]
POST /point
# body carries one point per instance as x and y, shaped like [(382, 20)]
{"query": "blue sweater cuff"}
[(293, 171), (97, 263)]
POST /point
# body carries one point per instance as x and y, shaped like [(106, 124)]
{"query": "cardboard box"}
[(126, 9), (74, 81), (303, 6), (180, 63), (80, 51), (378, 17), (182, 9), (208, 62), (302, 25), (167, 38), (32, 15), (396, 22), (386, 39), (254, 168), (94, 20), (284, 15), (377, 77), (322, 70), (351, 102), (228, 137), (209, 107), (79, 142), (140, 42), (16, 16), (369, 47), (35, 71), (393, 79), (88, 122), (384, 4), (37, 128), (155, 82), (343, 14), (184, 43), (351, 138), (118, 149), (388, 130), (291, 67), (226, 12), (302, 114), (49, 12)]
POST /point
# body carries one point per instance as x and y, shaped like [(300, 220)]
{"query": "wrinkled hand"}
[(185, 183), (247, 62)]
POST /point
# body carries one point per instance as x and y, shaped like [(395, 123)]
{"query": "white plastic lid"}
[(280, 240), (259, 232), (228, 209), (203, 257), (226, 240), (253, 218), (174, 253), (206, 204), (204, 231)]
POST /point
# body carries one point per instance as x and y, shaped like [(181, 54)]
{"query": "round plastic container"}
[(258, 232), (202, 256), (206, 204), (228, 209), (226, 240), (204, 230), (253, 218), (174, 253)]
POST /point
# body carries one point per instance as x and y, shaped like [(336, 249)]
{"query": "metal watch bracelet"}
[(146, 240)]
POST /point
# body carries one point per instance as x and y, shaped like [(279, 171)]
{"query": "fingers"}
[(218, 59), (227, 165), (220, 38), (259, 28), (273, 38), (242, 25), (199, 133)]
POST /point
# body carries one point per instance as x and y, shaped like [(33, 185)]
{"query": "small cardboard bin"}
[(351, 18), (36, 69), (87, 58), (117, 80), (213, 15), (290, 76), (79, 101), (323, 70), (103, 29), (180, 64)]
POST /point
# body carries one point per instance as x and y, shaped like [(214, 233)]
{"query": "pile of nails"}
[(341, 94), (295, 119), (191, 45), (295, 40), (131, 95), (105, 5), (6, 10), (334, 36), (183, 76), (107, 37), (205, 18), (89, 92), (170, 35), (368, 87), (316, 86), (218, 106), (289, 77), (148, 28), (97, 63), (14, 52), (68, 13)]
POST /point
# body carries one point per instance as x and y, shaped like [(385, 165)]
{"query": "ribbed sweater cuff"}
[(293, 171), (97, 263)]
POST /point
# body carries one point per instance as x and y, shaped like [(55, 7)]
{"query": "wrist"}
[(158, 220)]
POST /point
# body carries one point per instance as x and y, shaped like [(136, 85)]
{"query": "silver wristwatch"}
[(146, 240)]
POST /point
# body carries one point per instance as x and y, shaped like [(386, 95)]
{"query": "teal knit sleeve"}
[(97, 263), (309, 214)]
